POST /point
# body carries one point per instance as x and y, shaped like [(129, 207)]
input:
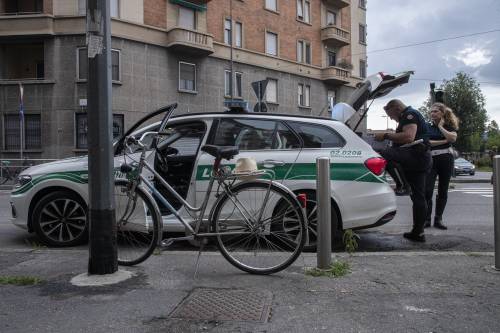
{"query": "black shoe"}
[(402, 191), (427, 224), (414, 237), (438, 224)]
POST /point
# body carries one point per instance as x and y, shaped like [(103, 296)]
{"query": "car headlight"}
[(22, 180), (473, 167)]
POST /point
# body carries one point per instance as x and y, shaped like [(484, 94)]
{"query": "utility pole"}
[(231, 48), (102, 240)]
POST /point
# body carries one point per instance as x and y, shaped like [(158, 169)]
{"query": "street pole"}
[(324, 213), (231, 48), (496, 202), (102, 240)]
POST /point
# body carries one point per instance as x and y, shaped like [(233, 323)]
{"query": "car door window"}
[(317, 136), (255, 134)]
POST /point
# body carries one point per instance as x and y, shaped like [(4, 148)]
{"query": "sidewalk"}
[(385, 292)]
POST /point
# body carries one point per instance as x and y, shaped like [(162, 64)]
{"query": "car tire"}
[(310, 245), (472, 173), (60, 219)]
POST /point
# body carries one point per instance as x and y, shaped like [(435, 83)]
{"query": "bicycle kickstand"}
[(202, 245)]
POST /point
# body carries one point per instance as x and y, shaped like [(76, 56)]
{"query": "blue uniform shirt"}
[(435, 134), (412, 116)]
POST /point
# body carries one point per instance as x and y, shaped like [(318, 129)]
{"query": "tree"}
[(463, 95)]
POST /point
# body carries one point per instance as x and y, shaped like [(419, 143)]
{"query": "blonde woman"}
[(442, 133)]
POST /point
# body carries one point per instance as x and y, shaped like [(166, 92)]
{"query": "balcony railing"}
[(338, 3), (335, 36), (190, 40), (335, 75)]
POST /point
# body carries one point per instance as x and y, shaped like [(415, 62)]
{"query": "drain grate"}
[(225, 305)]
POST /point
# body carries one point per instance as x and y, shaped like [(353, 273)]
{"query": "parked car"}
[(51, 199), (463, 167)]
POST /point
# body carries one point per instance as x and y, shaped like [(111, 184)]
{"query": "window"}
[(82, 64), (253, 134), (304, 10), (303, 52), (304, 93), (82, 7), (271, 43), (227, 84), (32, 132), (317, 136), (332, 58), (331, 18), (362, 4), (272, 5), (362, 34), (238, 38), (331, 99), (187, 18), (227, 32), (362, 68), (115, 8), (187, 77), (81, 129), (272, 91)]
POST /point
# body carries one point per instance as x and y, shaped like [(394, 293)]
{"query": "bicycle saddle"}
[(227, 152)]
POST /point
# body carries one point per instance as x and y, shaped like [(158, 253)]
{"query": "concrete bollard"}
[(324, 214), (496, 205)]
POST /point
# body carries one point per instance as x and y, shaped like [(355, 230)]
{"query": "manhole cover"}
[(225, 305)]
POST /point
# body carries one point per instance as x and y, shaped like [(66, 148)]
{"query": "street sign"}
[(260, 88), (260, 107)]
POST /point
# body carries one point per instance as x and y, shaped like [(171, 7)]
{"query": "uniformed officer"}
[(414, 159)]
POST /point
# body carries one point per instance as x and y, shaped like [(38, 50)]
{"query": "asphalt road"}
[(469, 216)]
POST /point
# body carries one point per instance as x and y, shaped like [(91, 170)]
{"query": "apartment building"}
[(164, 51)]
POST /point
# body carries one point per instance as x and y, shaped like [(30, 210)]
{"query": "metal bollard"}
[(324, 213), (496, 204)]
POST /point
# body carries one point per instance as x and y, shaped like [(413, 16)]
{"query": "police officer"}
[(414, 159)]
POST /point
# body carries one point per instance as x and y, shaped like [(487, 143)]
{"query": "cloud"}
[(474, 57)]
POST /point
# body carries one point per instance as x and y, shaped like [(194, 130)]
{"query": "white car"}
[(51, 199)]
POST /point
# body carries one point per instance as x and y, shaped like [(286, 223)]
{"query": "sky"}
[(392, 23)]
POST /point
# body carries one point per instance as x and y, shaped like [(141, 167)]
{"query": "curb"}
[(470, 181)]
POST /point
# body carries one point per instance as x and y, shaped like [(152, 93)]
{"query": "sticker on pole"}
[(95, 45)]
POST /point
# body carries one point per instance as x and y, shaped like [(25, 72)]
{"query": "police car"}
[(51, 199)]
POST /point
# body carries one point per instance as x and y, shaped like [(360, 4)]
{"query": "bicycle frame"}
[(202, 209)]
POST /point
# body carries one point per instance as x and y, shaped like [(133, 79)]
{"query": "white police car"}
[(51, 199)]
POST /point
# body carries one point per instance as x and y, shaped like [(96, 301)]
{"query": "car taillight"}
[(376, 165)]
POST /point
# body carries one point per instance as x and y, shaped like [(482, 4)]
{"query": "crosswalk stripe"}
[(478, 192), (488, 196)]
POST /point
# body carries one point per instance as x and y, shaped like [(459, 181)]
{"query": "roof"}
[(252, 114)]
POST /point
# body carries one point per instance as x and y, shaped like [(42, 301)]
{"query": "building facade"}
[(166, 51)]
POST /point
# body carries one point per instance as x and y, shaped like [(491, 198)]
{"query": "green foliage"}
[(350, 240), (463, 94), (484, 162), (337, 269), (20, 280)]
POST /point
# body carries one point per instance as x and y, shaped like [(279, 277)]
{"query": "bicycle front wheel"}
[(137, 224), (261, 227)]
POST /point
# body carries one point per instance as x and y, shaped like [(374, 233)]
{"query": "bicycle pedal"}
[(166, 243)]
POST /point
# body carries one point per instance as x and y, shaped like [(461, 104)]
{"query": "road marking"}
[(486, 192)]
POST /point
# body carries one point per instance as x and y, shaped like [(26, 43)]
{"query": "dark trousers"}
[(442, 166), (416, 163)]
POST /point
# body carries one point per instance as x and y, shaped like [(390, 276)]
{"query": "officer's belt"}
[(440, 151)]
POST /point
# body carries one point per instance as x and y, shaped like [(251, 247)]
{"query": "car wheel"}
[(472, 173), (312, 224), (60, 219)]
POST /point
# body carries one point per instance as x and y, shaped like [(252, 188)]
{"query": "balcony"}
[(335, 75), (335, 36), (338, 3), (190, 41), (27, 25)]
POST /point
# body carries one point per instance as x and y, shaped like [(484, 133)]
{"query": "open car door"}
[(375, 86)]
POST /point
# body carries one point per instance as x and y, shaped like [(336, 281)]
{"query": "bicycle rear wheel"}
[(137, 224), (256, 245)]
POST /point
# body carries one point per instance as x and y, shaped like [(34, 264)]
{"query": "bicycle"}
[(258, 224), (7, 172)]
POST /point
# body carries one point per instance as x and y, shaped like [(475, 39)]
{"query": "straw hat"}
[(245, 165)]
